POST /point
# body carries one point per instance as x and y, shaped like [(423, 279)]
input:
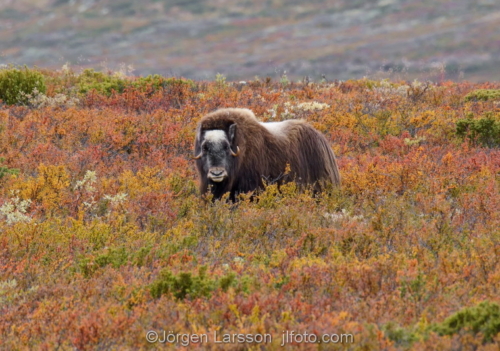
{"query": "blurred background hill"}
[(337, 39)]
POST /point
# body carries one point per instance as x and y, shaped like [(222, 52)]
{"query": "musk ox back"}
[(236, 153)]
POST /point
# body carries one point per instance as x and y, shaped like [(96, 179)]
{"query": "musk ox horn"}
[(237, 151), (197, 157)]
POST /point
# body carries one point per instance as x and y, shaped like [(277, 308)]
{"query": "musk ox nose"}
[(217, 174)]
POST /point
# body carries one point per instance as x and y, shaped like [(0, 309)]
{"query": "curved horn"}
[(197, 157), (237, 151)]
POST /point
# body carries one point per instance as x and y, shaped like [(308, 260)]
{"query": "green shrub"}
[(114, 257), (140, 257), (401, 336), (4, 170), (156, 82), (483, 131), (226, 281), (182, 285), (17, 83), (179, 82), (103, 83), (185, 284), (87, 267), (483, 318), (483, 95), (220, 79)]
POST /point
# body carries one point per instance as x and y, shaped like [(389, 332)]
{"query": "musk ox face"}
[(216, 153)]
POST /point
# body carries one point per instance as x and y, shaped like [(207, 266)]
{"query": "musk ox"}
[(236, 153)]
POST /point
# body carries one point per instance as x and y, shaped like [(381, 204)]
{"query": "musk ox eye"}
[(205, 147)]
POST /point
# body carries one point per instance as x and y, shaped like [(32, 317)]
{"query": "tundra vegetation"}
[(104, 236)]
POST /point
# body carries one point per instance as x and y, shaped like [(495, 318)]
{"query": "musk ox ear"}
[(198, 134), (197, 142), (232, 133)]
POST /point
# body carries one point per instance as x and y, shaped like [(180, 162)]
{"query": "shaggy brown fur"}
[(264, 153)]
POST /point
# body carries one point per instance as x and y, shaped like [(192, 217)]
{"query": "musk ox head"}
[(217, 151)]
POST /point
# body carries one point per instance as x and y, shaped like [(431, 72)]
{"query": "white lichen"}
[(124, 71), (116, 199), (416, 141), (15, 211), (88, 181), (342, 215), (312, 106), (290, 110), (40, 100)]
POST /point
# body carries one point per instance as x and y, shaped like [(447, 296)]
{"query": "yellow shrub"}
[(148, 179), (47, 188)]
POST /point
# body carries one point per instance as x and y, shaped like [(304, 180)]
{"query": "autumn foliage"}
[(104, 235)]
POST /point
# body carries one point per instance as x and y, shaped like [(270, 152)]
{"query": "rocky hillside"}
[(339, 39)]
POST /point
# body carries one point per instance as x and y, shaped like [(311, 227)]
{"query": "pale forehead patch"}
[(215, 136)]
